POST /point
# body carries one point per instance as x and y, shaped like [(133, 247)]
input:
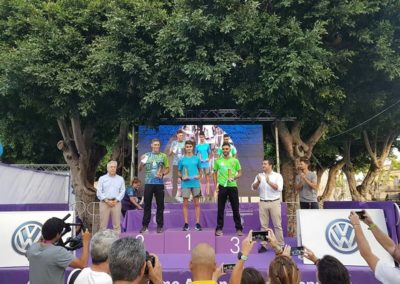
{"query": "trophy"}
[(160, 171), (144, 159), (185, 174), (230, 177)]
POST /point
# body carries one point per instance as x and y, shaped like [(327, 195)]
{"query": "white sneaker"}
[(179, 199)]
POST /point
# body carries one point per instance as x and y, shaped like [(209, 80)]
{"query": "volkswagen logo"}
[(341, 237), (25, 235)]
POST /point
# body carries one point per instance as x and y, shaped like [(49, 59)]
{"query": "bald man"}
[(203, 265)]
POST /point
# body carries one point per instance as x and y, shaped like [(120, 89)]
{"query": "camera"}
[(149, 258), (74, 242)]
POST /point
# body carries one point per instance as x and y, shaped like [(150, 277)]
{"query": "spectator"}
[(132, 197), (237, 273), (384, 272), (127, 260), (251, 275), (99, 272), (283, 270), (203, 265), (329, 269), (47, 262)]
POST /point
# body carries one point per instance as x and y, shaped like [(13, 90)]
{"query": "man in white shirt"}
[(99, 272), (270, 185), (110, 191)]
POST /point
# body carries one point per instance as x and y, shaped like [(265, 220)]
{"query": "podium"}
[(175, 241)]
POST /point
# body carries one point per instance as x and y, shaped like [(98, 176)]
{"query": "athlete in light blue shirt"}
[(189, 170)]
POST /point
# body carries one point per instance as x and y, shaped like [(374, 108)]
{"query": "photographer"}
[(99, 272), (384, 272), (329, 269), (47, 262), (128, 263)]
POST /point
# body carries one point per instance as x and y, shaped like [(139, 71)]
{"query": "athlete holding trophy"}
[(156, 165), (189, 170), (227, 170)]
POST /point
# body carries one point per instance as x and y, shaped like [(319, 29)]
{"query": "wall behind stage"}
[(248, 140)]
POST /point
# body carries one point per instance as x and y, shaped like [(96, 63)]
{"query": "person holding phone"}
[(384, 272), (269, 185), (329, 269)]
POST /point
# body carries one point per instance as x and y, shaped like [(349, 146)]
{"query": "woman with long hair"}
[(283, 270)]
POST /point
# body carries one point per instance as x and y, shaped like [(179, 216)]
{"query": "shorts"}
[(206, 171), (196, 192)]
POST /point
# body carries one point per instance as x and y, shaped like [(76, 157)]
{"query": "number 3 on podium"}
[(235, 241)]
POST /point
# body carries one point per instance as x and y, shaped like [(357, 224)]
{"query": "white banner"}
[(329, 231), (20, 229)]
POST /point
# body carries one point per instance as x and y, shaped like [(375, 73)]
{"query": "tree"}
[(84, 64)]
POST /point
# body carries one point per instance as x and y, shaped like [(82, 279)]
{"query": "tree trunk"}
[(122, 148), (83, 157), (378, 153), (331, 183), (350, 173), (288, 171), (320, 172), (294, 148)]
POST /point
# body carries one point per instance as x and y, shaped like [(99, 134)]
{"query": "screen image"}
[(247, 139)]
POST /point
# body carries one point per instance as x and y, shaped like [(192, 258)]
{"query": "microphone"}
[(66, 217)]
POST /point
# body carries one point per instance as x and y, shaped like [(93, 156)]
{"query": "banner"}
[(19, 230), (246, 139), (329, 231)]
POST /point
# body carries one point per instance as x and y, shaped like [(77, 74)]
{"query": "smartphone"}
[(361, 214), (297, 250), (259, 236), (227, 267)]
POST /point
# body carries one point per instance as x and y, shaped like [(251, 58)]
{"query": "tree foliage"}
[(92, 67)]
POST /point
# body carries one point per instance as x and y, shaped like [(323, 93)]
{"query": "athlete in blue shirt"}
[(189, 170)]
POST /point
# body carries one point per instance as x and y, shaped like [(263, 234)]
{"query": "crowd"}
[(125, 260)]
